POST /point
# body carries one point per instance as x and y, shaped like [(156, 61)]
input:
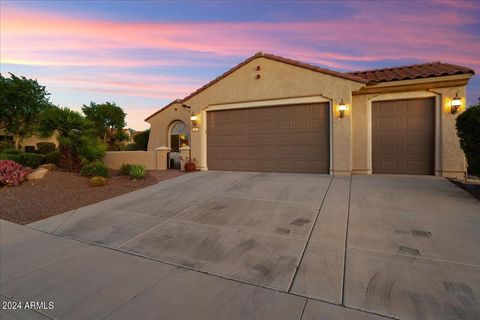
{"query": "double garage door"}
[(293, 138)]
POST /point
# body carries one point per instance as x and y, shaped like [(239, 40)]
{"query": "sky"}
[(144, 54)]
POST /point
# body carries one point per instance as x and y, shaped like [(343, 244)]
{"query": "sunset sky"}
[(142, 55)]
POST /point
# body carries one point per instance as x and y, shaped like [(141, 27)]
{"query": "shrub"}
[(131, 147), (95, 168), (97, 181), (137, 171), (52, 157), (46, 147), (13, 157), (468, 130), (11, 151), (124, 169), (6, 145), (12, 173), (141, 140), (32, 160), (29, 149)]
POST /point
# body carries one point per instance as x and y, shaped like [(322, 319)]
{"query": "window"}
[(178, 135)]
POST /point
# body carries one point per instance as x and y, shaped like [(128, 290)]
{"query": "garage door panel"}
[(275, 139), (387, 136), (285, 150), (388, 123), (403, 136), (270, 126), (285, 113), (417, 122), (269, 150), (388, 150), (302, 124)]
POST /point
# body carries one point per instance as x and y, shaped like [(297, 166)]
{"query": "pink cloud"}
[(124, 84), (366, 38)]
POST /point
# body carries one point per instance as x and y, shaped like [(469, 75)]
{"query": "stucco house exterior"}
[(27, 142), (274, 114)]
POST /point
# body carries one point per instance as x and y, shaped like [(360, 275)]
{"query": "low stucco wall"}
[(114, 159)]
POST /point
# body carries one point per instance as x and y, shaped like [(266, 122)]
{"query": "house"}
[(27, 143), (274, 114)]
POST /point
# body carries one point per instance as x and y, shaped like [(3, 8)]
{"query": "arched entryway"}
[(178, 137)]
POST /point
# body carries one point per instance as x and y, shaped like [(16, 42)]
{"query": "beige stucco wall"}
[(114, 159), (160, 125), (452, 159), (278, 81)]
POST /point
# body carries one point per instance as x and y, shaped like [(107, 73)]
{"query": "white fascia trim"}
[(267, 103)]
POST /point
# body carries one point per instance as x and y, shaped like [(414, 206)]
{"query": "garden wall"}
[(114, 159)]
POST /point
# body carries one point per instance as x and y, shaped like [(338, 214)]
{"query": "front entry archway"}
[(178, 138)]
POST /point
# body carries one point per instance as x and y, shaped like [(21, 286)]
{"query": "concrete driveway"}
[(396, 246)]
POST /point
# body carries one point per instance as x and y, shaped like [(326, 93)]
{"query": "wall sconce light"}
[(194, 119), (456, 103), (342, 107)]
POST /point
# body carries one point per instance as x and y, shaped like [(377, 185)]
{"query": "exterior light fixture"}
[(342, 107), (456, 103), (194, 120)]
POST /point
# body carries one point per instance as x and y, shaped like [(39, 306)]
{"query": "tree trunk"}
[(17, 141), (105, 137), (68, 160)]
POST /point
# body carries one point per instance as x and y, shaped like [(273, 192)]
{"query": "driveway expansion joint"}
[(297, 265), (346, 242)]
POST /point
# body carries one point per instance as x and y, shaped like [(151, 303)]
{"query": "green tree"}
[(141, 139), (76, 135), (21, 102), (468, 130), (108, 118)]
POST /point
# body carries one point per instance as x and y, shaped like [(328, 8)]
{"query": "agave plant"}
[(137, 171)]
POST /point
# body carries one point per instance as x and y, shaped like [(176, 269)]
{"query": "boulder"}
[(37, 174), (49, 166)]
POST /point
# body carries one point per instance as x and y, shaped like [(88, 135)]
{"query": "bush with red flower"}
[(12, 173)]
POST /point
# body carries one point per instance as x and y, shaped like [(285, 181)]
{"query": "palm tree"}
[(77, 139)]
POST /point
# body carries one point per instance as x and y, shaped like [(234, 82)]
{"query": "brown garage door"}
[(403, 136), (278, 139)]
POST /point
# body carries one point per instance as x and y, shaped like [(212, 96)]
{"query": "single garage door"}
[(403, 136), (293, 138)]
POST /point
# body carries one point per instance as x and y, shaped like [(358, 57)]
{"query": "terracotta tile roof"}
[(415, 71)]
